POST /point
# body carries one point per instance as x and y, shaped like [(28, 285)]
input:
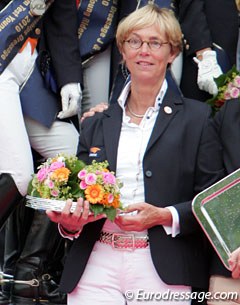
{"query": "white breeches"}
[(17, 134), (123, 277)]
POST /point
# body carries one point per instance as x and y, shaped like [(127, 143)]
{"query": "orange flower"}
[(104, 200), (61, 174), (94, 193), (116, 202)]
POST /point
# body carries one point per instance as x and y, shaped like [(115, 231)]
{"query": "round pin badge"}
[(37, 7), (167, 109)]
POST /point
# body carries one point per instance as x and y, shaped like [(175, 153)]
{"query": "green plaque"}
[(217, 209)]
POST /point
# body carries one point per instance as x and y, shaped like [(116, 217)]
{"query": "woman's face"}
[(145, 63)]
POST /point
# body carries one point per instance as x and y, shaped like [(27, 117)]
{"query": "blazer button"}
[(148, 174), (37, 31)]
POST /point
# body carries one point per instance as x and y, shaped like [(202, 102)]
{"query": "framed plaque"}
[(217, 209)]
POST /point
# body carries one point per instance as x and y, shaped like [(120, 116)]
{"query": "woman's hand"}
[(144, 216), (234, 263), (74, 222)]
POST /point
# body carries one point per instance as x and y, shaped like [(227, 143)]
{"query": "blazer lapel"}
[(172, 103), (111, 131)]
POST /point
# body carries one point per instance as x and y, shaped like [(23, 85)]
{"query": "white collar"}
[(125, 92)]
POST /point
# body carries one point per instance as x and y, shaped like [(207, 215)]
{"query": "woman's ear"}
[(172, 56), (123, 56)]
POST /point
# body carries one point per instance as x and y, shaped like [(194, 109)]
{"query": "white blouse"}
[(131, 149)]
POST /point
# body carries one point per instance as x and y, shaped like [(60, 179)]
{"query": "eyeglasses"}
[(136, 43)]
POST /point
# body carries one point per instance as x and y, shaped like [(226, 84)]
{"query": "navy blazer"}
[(59, 37), (203, 23), (182, 158)]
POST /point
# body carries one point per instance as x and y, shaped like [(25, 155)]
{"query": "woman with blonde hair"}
[(157, 142)]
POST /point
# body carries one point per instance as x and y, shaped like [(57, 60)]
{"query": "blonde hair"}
[(147, 16), (238, 5)]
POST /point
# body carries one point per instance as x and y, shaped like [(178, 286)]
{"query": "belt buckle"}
[(121, 241)]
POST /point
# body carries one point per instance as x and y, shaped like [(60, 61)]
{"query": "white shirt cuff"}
[(174, 229)]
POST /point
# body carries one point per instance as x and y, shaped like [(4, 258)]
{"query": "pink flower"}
[(54, 193), (236, 81), (234, 92), (50, 184), (90, 179), (227, 95), (109, 178), (230, 86), (83, 185), (42, 174), (56, 165), (110, 198), (82, 174)]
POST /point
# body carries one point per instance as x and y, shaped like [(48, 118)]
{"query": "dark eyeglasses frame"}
[(147, 42)]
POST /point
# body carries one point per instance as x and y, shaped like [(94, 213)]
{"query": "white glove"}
[(208, 68), (71, 97)]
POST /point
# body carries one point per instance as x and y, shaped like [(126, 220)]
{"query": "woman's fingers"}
[(234, 263)]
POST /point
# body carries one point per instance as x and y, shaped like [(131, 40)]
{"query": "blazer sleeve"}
[(194, 25), (60, 28), (209, 169)]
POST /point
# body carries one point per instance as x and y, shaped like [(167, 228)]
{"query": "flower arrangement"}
[(228, 85), (64, 177)]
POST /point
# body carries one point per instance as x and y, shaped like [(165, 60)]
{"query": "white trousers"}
[(18, 134), (176, 68), (96, 76), (119, 277)]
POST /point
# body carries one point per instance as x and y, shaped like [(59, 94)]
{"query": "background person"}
[(204, 23), (99, 31), (227, 124), (28, 254)]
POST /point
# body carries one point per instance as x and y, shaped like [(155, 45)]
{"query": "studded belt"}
[(124, 241)]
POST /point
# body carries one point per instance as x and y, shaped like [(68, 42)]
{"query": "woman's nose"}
[(145, 47)]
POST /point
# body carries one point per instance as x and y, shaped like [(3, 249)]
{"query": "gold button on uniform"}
[(37, 31)]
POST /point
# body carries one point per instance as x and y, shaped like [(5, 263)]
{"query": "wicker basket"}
[(47, 204)]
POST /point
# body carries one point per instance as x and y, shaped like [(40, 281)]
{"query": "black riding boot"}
[(41, 261), (9, 200), (9, 197), (16, 229)]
